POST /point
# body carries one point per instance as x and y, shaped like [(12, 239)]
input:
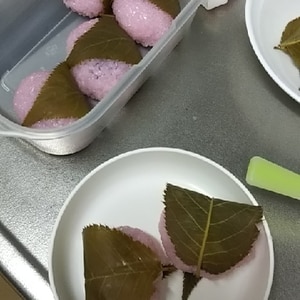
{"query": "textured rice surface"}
[(96, 77), (53, 123), (88, 8), (170, 248), (27, 92), (143, 21), (77, 32)]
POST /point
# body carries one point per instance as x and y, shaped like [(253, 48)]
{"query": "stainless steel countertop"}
[(211, 96)]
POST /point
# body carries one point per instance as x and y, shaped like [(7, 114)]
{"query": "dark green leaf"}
[(116, 267), (60, 97), (105, 40), (189, 283), (290, 41), (210, 234), (172, 7)]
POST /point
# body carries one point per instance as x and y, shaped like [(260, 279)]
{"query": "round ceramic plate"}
[(265, 21), (128, 190)]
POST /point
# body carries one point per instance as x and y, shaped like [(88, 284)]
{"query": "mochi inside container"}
[(25, 51)]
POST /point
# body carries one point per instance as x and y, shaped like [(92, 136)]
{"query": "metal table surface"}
[(210, 96)]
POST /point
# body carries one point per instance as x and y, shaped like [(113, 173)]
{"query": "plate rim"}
[(261, 58), (114, 159)]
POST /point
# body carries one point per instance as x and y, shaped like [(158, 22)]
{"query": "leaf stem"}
[(199, 264)]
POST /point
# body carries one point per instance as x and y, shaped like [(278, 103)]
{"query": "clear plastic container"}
[(33, 34)]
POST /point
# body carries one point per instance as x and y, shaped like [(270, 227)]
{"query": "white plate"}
[(265, 21), (127, 190)]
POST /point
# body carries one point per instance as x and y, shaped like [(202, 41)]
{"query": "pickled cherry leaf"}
[(105, 40), (172, 7), (290, 41), (116, 266), (58, 98), (209, 234), (190, 281)]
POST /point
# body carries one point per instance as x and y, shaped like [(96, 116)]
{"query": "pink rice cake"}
[(77, 32), (88, 8), (95, 77), (25, 97), (142, 20)]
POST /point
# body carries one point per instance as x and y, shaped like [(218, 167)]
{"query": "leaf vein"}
[(234, 234), (230, 217), (189, 215)]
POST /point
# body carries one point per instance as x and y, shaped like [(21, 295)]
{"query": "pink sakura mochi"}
[(78, 32), (26, 95), (142, 20), (95, 77), (150, 241), (88, 8)]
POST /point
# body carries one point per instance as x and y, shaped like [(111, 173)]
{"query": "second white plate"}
[(128, 190), (265, 21)]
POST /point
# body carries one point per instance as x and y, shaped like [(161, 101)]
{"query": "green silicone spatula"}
[(270, 176)]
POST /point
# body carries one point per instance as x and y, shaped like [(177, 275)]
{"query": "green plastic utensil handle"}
[(270, 176)]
